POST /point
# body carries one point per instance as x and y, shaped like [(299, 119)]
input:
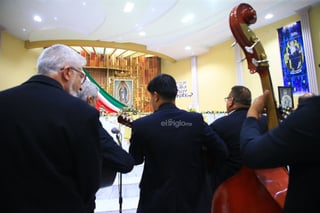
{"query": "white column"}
[(195, 88), (1, 30), (239, 67), (308, 50)]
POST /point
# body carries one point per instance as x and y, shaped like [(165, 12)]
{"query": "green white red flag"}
[(105, 101)]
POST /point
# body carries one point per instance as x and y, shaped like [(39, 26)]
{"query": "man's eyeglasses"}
[(82, 75), (227, 98)]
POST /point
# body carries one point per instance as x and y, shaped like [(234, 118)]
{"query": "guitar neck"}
[(125, 121)]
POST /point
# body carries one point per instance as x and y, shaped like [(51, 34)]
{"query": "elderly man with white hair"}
[(114, 158)]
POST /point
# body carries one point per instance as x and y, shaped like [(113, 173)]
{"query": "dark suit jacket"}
[(49, 158), (114, 158), (170, 143), (228, 128), (295, 142)]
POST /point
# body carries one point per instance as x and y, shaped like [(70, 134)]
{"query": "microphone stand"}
[(120, 176)]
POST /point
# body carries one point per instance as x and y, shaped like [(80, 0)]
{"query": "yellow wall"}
[(217, 75), (217, 69), (181, 70), (17, 64)]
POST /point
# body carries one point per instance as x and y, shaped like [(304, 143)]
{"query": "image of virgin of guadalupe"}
[(294, 56), (123, 92)]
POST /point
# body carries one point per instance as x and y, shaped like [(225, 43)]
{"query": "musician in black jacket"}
[(114, 157), (228, 127), (294, 142), (49, 156), (170, 143)]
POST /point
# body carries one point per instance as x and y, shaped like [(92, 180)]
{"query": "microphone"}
[(118, 134), (115, 130)]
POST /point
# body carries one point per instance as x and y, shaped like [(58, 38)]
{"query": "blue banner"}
[(294, 69)]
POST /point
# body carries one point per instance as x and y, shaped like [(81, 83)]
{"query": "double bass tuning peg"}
[(250, 49)]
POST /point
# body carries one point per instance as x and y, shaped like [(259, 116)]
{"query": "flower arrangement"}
[(129, 110), (283, 112)]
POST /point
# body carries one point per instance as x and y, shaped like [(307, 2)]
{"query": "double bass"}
[(262, 190)]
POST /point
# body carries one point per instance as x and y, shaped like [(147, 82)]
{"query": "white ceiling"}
[(105, 20)]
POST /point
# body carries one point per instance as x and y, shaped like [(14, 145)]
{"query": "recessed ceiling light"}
[(269, 16), (187, 18), (128, 7), (187, 48), (37, 18), (142, 33), (24, 29)]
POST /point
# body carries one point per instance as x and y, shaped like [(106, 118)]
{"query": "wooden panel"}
[(138, 69)]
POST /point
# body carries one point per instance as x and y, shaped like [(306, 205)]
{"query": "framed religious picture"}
[(123, 91), (285, 97)]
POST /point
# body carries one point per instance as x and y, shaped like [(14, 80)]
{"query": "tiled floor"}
[(107, 199)]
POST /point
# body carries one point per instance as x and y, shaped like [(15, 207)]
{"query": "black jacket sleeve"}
[(113, 155)]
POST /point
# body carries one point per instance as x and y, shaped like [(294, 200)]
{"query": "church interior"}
[(127, 42)]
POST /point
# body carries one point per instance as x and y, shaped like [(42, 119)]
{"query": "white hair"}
[(53, 58), (88, 89)]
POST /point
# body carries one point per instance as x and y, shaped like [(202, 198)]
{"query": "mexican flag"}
[(105, 101)]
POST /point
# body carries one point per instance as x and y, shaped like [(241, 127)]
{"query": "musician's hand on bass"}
[(257, 108)]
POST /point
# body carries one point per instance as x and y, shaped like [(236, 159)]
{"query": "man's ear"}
[(88, 100), (156, 96), (66, 74), (91, 100)]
